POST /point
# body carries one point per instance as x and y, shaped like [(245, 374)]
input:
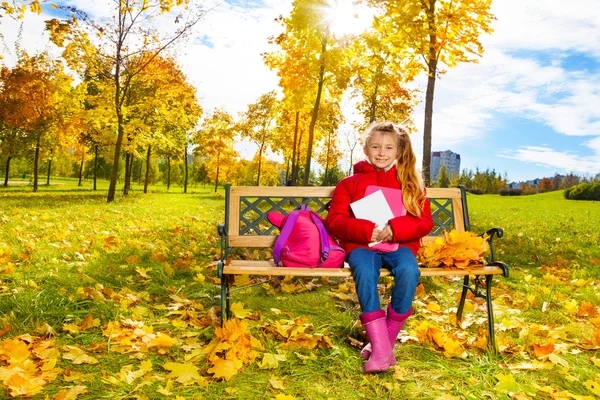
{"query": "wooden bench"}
[(246, 226)]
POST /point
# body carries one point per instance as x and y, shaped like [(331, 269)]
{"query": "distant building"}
[(448, 158)]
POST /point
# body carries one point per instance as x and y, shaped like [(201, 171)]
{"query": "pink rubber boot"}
[(382, 357), (395, 323)]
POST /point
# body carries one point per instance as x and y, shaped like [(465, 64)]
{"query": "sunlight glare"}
[(347, 18)]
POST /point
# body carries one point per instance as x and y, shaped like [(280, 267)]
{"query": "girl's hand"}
[(384, 235), (375, 234)]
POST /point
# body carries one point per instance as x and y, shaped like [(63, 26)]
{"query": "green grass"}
[(72, 254)]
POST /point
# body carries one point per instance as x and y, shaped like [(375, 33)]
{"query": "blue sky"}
[(530, 108)]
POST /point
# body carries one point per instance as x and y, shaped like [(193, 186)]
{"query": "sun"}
[(346, 18)]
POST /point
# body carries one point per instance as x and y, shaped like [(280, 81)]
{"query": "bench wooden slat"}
[(265, 267), (282, 191)]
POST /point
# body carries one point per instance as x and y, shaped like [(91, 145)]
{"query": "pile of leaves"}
[(458, 250)]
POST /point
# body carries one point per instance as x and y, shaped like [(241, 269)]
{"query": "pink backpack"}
[(303, 241)]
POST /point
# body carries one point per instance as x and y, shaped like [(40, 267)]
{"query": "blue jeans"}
[(366, 263)]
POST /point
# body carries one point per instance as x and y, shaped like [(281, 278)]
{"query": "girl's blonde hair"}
[(413, 194)]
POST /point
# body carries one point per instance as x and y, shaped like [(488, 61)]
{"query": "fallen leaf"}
[(182, 373)]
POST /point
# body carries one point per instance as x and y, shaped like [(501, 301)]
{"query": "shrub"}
[(583, 191), (474, 191), (510, 192)]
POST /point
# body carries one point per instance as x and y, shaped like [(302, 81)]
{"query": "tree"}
[(440, 32), (443, 178), (545, 185), (258, 124), (162, 108), (40, 90), (122, 39), (380, 72), (215, 140), (312, 60), (18, 8)]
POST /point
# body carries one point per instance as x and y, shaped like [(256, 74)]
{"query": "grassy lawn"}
[(120, 301)]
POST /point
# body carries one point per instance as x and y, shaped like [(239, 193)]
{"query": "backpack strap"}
[(325, 248), (287, 226)]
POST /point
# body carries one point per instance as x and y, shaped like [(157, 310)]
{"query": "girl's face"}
[(381, 149)]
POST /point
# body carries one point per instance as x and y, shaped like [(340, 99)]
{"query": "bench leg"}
[(476, 290), (490, 312), (463, 297), (225, 310)]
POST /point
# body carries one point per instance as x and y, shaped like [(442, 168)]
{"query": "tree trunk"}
[(95, 165), (432, 68), (324, 182), (114, 176), (127, 176), (49, 167), (185, 174), (315, 114), (7, 170), (298, 157), (294, 162), (260, 151), (217, 177), (131, 170), (147, 169), (35, 165), (168, 173), (81, 170)]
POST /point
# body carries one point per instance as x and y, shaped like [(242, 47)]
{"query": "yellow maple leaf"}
[(70, 393), (71, 328), (143, 272), (277, 383), (77, 356), (270, 361), (593, 386), (282, 396), (161, 340), (239, 311), (22, 384), (224, 369), (16, 350), (183, 373)]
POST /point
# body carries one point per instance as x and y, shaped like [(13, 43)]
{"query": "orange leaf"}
[(543, 350), (587, 309)]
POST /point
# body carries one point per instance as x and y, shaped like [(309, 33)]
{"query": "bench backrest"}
[(246, 208)]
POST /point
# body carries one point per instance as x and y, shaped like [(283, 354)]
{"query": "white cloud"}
[(546, 25), (565, 161)]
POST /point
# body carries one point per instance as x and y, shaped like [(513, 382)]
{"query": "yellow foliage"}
[(27, 364), (454, 250), (232, 347)]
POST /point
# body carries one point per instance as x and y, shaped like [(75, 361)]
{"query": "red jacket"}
[(354, 232)]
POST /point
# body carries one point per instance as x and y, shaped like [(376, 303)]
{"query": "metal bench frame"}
[(246, 226)]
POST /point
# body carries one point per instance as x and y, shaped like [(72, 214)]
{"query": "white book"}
[(373, 207)]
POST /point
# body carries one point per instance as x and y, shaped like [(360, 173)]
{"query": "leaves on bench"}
[(454, 250)]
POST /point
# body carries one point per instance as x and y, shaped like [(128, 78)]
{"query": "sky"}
[(530, 108)]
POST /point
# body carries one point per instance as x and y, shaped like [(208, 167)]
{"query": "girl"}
[(391, 163)]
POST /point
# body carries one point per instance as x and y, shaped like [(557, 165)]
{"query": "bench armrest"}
[(500, 265), (495, 231)]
